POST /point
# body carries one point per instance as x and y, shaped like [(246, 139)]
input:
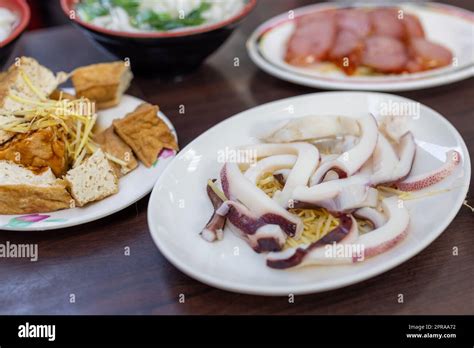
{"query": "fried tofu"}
[(29, 80), (112, 144), (24, 80), (5, 136), (25, 199), (38, 150), (23, 191), (103, 83), (145, 133), (57, 94), (93, 180)]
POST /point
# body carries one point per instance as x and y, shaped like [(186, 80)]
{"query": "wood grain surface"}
[(89, 262)]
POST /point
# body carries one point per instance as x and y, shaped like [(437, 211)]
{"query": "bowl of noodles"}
[(168, 37)]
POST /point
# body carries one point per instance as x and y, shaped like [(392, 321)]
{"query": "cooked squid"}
[(296, 202)]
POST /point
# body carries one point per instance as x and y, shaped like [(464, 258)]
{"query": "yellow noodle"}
[(316, 222)]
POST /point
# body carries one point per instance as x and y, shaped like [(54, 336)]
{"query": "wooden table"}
[(89, 262)]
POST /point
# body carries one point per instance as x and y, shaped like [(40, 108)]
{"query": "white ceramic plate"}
[(132, 187), (179, 206), (447, 25)]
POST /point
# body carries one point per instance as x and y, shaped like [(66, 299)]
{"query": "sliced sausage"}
[(384, 54), (355, 20), (413, 27), (386, 22), (312, 39), (429, 54), (347, 50), (346, 42)]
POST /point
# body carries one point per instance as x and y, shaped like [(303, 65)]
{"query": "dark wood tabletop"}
[(88, 261)]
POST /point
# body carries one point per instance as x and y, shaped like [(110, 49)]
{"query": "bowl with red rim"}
[(167, 53), (21, 11)]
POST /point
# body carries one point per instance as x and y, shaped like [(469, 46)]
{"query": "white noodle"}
[(220, 10)]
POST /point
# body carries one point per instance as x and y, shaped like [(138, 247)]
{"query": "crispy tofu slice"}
[(25, 82), (145, 133), (27, 199), (24, 192), (93, 180), (112, 144), (103, 83), (29, 81), (38, 150)]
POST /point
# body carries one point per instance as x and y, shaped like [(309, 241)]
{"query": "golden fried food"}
[(27, 199), (25, 80), (92, 180), (145, 133), (61, 95), (38, 150), (103, 83), (5, 136), (112, 144)]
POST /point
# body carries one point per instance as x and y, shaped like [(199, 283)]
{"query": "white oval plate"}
[(179, 207), (444, 24), (132, 187)]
